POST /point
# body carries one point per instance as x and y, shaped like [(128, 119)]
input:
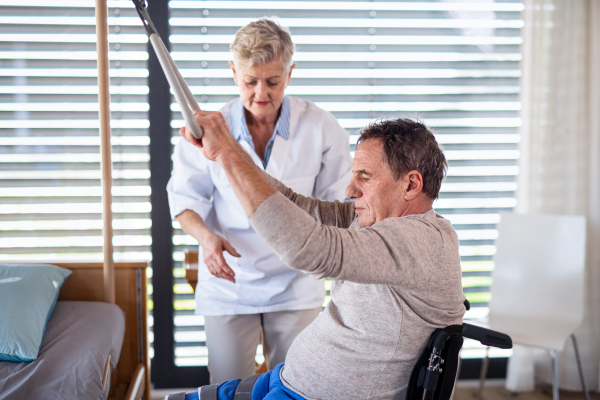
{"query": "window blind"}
[(50, 193), (453, 64)]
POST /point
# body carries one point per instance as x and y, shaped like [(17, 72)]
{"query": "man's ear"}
[(232, 66), (414, 183)]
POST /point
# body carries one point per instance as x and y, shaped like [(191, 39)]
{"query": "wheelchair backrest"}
[(434, 373)]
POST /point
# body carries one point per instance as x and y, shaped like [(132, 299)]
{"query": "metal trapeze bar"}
[(181, 91)]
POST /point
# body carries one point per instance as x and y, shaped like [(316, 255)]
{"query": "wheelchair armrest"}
[(487, 337)]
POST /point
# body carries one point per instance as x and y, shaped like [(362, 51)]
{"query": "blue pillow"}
[(28, 293)]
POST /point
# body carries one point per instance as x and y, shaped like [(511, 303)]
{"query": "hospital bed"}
[(91, 349)]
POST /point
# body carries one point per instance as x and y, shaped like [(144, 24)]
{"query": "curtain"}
[(560, 160)]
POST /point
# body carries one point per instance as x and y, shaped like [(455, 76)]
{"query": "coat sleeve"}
[(190, 186)]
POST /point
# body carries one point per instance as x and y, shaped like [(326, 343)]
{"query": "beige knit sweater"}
[(394, 283)]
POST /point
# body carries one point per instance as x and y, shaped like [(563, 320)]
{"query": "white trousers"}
[(232, 340)]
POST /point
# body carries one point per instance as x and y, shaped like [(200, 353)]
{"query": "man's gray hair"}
[(261, 42), (409, 145)]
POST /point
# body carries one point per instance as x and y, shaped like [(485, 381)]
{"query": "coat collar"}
[(239, 127)]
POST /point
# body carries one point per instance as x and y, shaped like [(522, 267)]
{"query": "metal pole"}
[(105, 147), (483, 373), (554, 375), (580, 367)]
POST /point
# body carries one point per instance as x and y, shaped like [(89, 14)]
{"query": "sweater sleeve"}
[(334, 213), (397, 251)]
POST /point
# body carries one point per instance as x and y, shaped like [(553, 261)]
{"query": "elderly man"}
[(394, 261)]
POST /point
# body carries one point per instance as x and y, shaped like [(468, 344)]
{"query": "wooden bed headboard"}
[(131, 378)]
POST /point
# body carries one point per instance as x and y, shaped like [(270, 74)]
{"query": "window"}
[(453, 64), (50, 193)]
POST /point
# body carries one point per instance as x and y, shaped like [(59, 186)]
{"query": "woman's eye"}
[(251, 83), (272, 83)]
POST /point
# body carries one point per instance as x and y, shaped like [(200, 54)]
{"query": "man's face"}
[(376, 194)]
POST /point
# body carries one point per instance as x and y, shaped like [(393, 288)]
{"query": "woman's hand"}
[(213, 247), (217, 139)]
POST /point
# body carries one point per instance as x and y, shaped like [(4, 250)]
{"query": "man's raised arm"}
[(218, 144), (252, 185), (406, 250), (334, 213)]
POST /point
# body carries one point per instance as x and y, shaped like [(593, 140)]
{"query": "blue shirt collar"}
[(239, 127)]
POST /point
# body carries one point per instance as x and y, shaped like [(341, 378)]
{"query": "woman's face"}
[(262, 86)]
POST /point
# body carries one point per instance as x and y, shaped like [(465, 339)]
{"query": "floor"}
[(499, 393), (469, 393)]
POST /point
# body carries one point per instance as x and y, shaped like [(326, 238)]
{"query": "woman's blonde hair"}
[(261, 42)]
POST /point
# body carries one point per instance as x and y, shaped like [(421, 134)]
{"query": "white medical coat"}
[(314, 161)]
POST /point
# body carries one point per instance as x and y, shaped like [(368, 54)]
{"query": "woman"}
[(243, 287)]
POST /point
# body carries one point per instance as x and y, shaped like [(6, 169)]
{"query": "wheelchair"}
[(434, 374)]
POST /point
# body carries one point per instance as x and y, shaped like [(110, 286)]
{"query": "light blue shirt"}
[(239, 126), (310, 153)]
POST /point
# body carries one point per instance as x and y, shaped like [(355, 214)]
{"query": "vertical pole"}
[(483, 373), (554, 375), (580, 367), (105, 147)]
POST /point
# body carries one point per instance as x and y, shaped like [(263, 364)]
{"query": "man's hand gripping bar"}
[(181, 91)]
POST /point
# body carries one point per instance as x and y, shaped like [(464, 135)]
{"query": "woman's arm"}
[(190, 190), (212, 244)]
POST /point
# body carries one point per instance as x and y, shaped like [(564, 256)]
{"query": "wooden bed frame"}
[(131, 378)]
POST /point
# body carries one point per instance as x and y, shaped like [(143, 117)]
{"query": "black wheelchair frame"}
[(434, 375)]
